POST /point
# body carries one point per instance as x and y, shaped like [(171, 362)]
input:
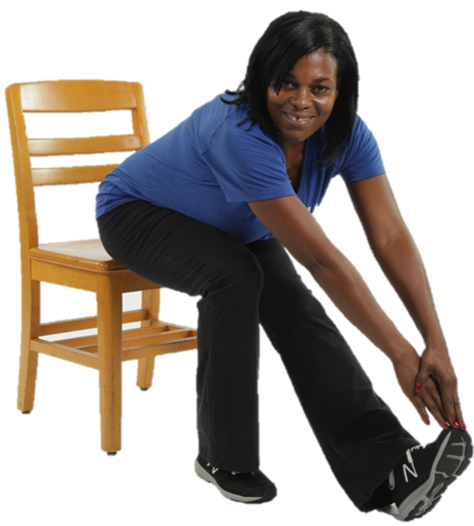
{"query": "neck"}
[(292, 149)]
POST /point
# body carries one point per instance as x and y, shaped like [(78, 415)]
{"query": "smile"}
[(294, 118)]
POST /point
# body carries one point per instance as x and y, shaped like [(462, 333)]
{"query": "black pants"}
[(242, 285)]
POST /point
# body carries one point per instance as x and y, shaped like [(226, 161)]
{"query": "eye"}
[(288, 82), (321, 89)]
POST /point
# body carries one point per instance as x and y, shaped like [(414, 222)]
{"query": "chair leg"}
[(151, 302), (28, 358), (109, 318)]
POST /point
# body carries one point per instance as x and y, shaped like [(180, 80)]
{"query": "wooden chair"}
[(83, 264)]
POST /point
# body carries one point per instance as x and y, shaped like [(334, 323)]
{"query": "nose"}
[(301, 98)]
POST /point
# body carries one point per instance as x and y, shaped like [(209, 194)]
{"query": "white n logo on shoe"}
[(407, 469)]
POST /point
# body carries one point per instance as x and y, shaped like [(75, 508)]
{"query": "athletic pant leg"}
[(360, 436), (183, 254)]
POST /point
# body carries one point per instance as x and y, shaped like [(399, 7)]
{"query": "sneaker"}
[(251, 488), (424, 473)]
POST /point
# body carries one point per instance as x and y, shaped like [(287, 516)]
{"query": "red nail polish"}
[(418, 387), (464, 427), (456, 423), (446, 425), (428, 422)]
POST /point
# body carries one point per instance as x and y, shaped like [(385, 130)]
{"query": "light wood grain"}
[(67, 146), (84, 264), (70, 174), (78, 96)]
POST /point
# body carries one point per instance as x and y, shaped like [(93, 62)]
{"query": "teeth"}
[(297, 119)]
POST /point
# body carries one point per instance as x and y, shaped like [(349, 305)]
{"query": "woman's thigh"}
[(287, 304), (316, 355), (174, 250)]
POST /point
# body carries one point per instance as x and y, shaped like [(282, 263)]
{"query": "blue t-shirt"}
[(208, 168)]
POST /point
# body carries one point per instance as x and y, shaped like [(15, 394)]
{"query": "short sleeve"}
[(247, 164), (362, 158)]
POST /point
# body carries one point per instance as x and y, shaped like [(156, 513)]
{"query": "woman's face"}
[(306, 98)]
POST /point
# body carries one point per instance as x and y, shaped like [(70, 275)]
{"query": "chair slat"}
[(76, 96), (185, 344), (90, 322), (82, 341), (66, 353), (70, 175), (112, 143), (157, 337)]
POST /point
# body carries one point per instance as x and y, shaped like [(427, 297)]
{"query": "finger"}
[(447, 385), (420, 407), (458, 411), (435, 402), (457, 406), (433, 406), (422, 377), (459, 415)]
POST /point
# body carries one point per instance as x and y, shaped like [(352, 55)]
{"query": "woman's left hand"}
[(435, 364), (407, 367)]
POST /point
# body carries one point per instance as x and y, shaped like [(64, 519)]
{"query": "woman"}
[(207, 210)]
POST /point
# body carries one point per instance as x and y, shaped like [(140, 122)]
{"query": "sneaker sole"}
[(204, 475), (452, 459)]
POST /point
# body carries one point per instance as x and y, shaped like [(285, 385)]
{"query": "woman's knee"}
[(240, 271)]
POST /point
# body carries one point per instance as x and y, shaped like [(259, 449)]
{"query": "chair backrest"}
[(67, 96)]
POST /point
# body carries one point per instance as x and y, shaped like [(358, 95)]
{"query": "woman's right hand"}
[(406, 369)]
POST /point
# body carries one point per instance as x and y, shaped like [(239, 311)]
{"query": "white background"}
[(415, 62)]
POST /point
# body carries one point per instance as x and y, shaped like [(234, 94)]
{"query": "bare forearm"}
[(403, 266), (291, 223), (433, 375), (401, 262), (346, 288)]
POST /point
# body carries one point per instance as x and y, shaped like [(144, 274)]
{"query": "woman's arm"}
[(397, 254), (293, 225)]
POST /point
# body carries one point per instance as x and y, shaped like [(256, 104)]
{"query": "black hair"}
[(286, 40)]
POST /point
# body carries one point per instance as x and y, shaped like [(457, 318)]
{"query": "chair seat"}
[(87, 254)]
